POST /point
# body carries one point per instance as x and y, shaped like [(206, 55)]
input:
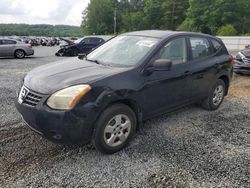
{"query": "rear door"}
[(8, 47), (204, 65)]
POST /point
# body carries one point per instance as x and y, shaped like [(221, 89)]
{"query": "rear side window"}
[(8, 42), (85, 41), (200, 47)]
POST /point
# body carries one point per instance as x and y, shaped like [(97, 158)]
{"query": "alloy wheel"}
[(218, 95), (117, 130), (19, 54)]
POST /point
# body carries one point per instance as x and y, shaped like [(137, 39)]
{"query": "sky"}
[(54, 12)]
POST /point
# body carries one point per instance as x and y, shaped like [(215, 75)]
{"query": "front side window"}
[(123, 50), (96, 40), (200, 47), (175, 50)]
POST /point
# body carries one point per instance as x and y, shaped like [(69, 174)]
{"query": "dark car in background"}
[(82, 46), (14, 48), (242, 63), (133, 77)]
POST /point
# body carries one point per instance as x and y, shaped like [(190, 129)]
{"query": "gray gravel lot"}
[(187, 148)]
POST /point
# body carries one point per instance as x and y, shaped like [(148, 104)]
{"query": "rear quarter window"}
[(216, 44), (219, 47), (200, 47)]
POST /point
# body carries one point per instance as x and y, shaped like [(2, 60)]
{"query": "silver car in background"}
[(13, 48)]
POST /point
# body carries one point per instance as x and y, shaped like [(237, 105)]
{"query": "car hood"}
[(54, 76), (246, 52), (68, 45)]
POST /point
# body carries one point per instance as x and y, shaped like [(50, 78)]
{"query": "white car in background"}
[(14, 48)]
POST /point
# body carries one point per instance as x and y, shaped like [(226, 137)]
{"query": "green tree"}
[(98, 17), (208, 16), (227, 30)]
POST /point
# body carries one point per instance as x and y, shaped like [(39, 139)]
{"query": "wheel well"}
[(134, 106), (226, 81), (19, 49)]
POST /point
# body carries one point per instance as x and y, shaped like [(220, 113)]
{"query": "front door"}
[(165, 90)]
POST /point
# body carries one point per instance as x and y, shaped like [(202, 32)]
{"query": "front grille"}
[(246, 60), (28, 97), (32, 99)]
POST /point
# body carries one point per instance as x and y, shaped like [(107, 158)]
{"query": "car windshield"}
[(123, 50), (78, 40)]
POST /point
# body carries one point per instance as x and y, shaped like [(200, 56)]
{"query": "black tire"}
[(19, 54), (74, 53), (209, 102), (105, 120)]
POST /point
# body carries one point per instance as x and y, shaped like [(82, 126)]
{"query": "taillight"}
[(231, 60), (29, 46)]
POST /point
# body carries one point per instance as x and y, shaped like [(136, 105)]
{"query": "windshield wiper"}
[(91, 60)]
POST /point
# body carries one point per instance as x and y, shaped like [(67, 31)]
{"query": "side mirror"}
[(81, 56), (162, 65)]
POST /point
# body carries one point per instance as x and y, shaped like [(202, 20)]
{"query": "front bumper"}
[(68, 127)]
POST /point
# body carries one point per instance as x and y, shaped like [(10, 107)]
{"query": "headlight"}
[(66, 99)]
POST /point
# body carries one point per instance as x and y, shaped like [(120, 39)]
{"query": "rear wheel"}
[(215, 96), (114, 129), (19, 54)]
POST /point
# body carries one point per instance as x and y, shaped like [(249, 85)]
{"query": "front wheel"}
[(215, 96), (114, 129)]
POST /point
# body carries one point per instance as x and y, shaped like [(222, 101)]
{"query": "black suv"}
[(106, 96), (82, 46)]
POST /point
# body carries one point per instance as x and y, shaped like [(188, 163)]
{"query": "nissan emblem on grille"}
[(22, 95)]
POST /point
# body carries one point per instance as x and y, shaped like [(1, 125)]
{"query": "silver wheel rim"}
[(19, 54), (218, 95), (117, 130)]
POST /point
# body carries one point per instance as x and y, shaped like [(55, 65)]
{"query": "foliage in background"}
[(40, 30), (207, 16), (227, 30), (133, 15)]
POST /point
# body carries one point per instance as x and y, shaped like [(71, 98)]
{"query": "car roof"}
[(104, 37), (6, 39), (163, 33)]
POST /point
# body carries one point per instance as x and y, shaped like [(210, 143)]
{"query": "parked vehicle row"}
[(107, 95), (242, 65)]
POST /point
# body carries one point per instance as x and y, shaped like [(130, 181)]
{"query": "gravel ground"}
[(187, 148)]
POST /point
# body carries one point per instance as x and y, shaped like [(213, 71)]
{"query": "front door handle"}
[(216, 65), (199, 76)]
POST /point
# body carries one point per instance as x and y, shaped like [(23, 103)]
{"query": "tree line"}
[(40, 30), (216, 17)]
